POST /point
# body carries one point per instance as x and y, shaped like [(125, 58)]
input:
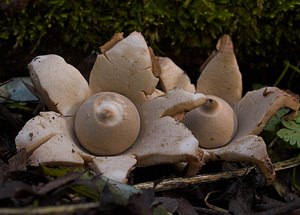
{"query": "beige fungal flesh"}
[(107, 123), (221, 75), (213, 124), (60, 85)]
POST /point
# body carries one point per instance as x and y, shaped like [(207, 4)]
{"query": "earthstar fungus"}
[(124, 69), (221, 77), (171, 76), (123, 90), (109, 118), (213, 124), (63, 94), (220, 74), (227, 125)]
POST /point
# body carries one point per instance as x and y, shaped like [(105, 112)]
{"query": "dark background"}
[(266, 35)]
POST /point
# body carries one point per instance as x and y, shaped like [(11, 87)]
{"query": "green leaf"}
[(86, 191), (291, 124), (291, 131), (275, 120), (100, 187), (92, 186), (121, 192), (159, 210), (61, 171)]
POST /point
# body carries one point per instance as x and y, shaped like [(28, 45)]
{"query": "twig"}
[(206, 211), (63, 209), (173, 183)]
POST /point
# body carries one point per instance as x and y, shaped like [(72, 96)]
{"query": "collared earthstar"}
[(138, 125), (227, 125), (121, 101)]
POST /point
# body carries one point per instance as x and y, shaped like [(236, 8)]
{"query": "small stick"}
[(174, 183), (62, 209)]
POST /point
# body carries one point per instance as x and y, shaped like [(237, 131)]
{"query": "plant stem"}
[(287, 65), (296, 69), (174, 183)]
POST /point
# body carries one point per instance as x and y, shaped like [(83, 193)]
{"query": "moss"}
[(265, 33)]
